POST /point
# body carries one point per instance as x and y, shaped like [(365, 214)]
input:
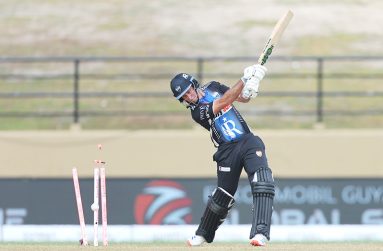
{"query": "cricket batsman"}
[(212, 107)]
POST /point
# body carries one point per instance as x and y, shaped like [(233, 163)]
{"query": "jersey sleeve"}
[(204, 112), (221, 87)]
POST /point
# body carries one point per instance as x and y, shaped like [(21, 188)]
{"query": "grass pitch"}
[(219, 246)]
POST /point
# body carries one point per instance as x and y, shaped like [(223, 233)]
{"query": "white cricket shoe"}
[(258, 240), (196, 240)]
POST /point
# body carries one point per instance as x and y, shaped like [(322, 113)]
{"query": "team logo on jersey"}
[(229, 128), (163, 202), (259, 153)]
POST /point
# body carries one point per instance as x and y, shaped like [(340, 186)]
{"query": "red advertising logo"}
[(163, 202)]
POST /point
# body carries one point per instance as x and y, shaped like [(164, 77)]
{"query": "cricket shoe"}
[(196, 240), (258, 240)]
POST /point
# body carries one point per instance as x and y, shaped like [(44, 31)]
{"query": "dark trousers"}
[(249, 153)]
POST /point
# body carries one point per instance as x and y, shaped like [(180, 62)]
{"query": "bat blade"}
[(275, 36)]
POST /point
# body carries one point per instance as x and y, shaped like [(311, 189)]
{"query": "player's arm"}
[(229, 97), (242, 99), (244, 89)]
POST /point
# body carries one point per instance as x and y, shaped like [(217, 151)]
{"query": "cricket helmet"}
[(180, 84)]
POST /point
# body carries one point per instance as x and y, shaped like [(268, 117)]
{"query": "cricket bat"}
[(275, 36)]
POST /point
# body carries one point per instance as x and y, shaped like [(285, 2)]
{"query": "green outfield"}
[(285, 246)]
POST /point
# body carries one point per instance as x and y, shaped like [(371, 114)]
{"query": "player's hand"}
[(257, 71), (251, 88)]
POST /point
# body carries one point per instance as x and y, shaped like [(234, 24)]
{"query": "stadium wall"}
[(304, 210), (166, 153)]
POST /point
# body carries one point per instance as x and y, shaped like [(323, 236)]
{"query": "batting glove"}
[(251, 88), (257, 71)]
